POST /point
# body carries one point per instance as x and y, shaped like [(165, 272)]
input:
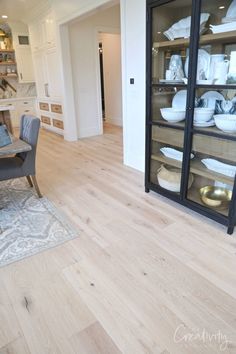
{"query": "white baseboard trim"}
[(135, 161), (115, 121), (87, 133)]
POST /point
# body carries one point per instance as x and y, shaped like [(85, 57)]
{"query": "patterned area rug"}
[(28, 225)]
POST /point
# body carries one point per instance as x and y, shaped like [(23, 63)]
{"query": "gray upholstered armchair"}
[(23, 165)]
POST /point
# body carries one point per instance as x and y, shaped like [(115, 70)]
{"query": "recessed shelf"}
[(7, 63), (196, 167), (7, 51), (225, 37)]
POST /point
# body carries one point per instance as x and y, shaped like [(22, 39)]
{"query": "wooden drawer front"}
[(46, 120), (44, 106), (56, 108), (215, 147), (58, 123)]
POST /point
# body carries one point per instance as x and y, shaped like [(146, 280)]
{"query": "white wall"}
[(111, 44), (133, 22), (133, 34), (85, 68)]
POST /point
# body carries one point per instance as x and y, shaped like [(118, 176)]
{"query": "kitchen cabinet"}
[(51, 115), (24, 64), (36, 31), (50, 30), (191, 95), (21, 107), (40, 73), (54, 86)]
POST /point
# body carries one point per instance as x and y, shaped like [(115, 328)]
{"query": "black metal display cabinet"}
[(191, 105)]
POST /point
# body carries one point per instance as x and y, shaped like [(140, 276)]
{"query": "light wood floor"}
[(143, 275)]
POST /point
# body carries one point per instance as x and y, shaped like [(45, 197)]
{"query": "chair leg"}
[(36, 186), (30, 182)]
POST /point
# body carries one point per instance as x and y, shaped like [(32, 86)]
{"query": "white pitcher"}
[(221, 72), (215, 58)]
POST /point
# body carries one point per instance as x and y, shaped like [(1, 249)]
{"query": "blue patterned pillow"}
[(5, 138)]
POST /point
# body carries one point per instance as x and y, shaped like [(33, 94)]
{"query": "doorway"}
[(109, 45)]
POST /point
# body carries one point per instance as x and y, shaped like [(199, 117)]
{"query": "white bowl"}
[(173, 115), (203, 114), (226, 122)]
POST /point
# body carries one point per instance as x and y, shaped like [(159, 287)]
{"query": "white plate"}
[(211, 123), (228, 19), (163, 81), (231, 13), (220, 167), (180, 100), (211, 97), (173, 153), (203, 63)]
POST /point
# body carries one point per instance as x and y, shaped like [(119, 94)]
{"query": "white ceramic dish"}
[(173, 154), (226, 27), (181, 29), (163, 81), (231, 12), (220, 167), (173, 115), (179, 100), (226, 122), (205, 82), (211, 123), (211, 97), (203, 64), (203, 115)]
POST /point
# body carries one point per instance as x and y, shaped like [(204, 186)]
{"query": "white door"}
[(25, 65), (53, 74)]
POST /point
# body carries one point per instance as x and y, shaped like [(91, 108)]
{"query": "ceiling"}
[(18, 9)]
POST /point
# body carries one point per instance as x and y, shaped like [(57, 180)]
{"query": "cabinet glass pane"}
[(214, 125), (170, 39), (170, 36), (214, 148), (217, 47)]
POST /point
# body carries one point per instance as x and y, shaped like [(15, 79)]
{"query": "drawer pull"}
[(44, 106), (46, 120), (56, 108), (58, 123)]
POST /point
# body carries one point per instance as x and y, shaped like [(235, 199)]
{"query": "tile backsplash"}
[(22, 90)]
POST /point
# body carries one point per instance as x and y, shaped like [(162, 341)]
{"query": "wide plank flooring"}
[(144, 276)]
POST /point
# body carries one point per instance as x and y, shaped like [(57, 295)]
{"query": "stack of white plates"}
[(181, 29), (220, 167), (226, 27)]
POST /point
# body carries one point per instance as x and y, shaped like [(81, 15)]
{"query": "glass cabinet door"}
[(171, 23), (213, 163)]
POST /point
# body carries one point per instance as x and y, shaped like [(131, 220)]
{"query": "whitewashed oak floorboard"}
[(141, 266)]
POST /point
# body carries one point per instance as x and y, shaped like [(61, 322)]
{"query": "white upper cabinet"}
[(43, 32), (36, 36), (24, 64), (50, 30)]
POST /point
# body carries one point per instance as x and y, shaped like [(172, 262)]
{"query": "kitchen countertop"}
[(13, 99), (6, 108)]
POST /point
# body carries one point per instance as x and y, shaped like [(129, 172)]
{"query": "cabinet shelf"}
[(196, 167), (225, 37), (163, 123), (7, 63), (193, 195), (7, 51)]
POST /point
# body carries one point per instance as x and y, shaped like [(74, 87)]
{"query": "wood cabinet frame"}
[(188, 130)]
